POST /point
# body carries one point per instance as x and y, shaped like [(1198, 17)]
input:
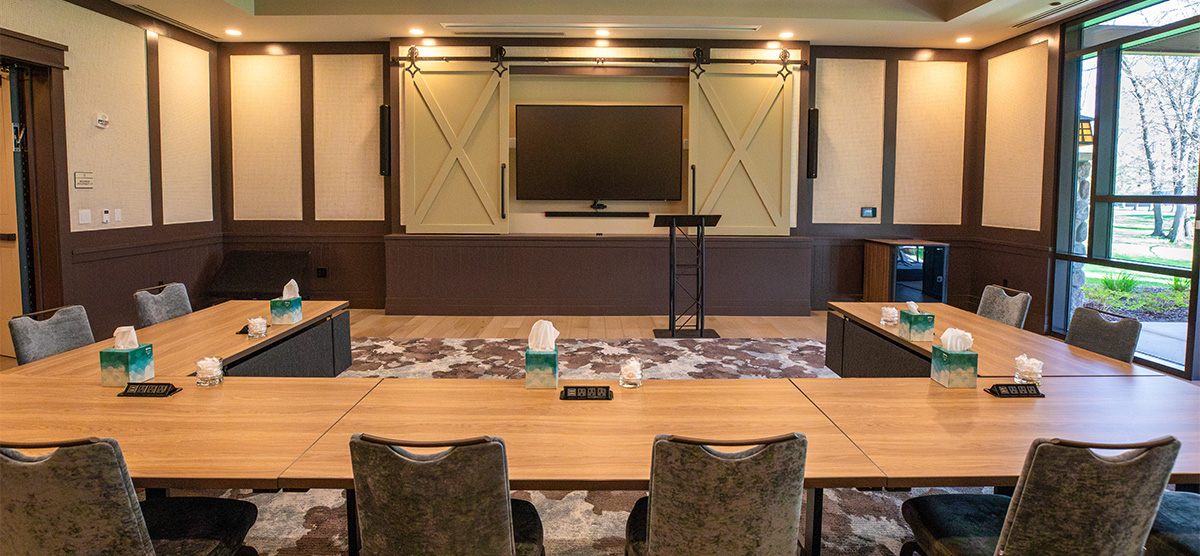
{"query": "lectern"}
[(692, 266)]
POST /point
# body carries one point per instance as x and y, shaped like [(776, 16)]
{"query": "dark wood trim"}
[(154, 113), (891, 96), (395, 98), (308, 178), (51, 211), (138, 19), (122, 250), (582, 42), (301, 48), (33, 50), (606, 71)]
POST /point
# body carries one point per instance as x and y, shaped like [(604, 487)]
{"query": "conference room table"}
[(869, 343), (179, 342)]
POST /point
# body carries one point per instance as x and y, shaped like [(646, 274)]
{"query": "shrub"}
[(1151, 301), (1181, 284), (1123, 282)]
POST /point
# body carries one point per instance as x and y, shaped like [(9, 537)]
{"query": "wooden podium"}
[(690, 322)]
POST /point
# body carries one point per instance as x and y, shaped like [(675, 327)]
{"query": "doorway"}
[(16, 248)]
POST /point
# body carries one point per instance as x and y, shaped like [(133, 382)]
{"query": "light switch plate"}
[(117, 215), (85, 216), (104, 216)]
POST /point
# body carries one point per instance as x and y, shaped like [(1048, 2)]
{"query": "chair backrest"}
[(703, 501), (454, 502), (171, 302), (997, 305), (66, 330), (75, 500), (1072, 501), (1091, 331)]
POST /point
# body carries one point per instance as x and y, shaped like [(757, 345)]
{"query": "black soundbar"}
[(593, 214)]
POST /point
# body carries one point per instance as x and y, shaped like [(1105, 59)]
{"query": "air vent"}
[(509, 33), (1051, 12), (172, 21)]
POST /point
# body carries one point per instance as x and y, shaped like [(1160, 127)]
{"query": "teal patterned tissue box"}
[(286, 311), (954, 369), (541, 369), (119, 367), (916, 327)]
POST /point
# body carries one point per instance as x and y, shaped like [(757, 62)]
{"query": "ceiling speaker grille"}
[(1051, 12), (173, 21)]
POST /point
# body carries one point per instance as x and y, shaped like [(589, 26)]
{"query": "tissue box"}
[(916, 327), (286, 311), (119, 367), (954, 369), (541, 369)]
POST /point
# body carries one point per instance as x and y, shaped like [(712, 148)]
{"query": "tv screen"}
[(605, 153)]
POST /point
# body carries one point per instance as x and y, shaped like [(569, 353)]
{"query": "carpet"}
[(579, 523)]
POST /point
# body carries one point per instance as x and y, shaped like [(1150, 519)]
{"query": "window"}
[(1129, 173)]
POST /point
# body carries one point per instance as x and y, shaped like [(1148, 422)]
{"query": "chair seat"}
[(1176, 530), (198, 526), (636, 530), (527, 529), (957, 524)]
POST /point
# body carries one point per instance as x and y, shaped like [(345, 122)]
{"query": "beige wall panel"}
[(183, 72), (107, 76), (265, 104), (849, 94), (1014, 154), (347, 92), (931, 119)]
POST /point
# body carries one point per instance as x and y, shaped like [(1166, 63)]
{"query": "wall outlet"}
[(104, 216), (85, 216), (868, 212), (117, 215), (322, 272)]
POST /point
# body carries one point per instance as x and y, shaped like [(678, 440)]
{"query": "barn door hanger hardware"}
[(498, 57), (784, 70), (412, 68), (700, 56)]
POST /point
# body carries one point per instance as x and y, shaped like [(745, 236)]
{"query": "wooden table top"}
[(921, 434), (997, 344), (572, 445), (179, 342), (240, 434)]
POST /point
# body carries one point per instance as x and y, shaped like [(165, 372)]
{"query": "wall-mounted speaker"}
[(385, 140), (813, 129)]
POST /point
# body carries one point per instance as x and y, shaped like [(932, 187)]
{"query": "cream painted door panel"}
[(455, 140), (10, 265), (740, 140)]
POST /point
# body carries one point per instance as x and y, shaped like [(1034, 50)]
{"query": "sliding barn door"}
[(455, 140), (741, 140)]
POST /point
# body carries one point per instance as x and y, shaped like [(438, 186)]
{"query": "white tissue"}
[(542, 337), (954, 339), (631, 369), (209, 367), (125, 338), (1029, 369), (291, 290), (913, 307)]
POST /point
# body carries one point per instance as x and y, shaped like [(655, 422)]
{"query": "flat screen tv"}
[(599, 153)]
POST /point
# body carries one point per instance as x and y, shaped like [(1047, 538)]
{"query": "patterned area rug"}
[(579, 523), (582, 359)]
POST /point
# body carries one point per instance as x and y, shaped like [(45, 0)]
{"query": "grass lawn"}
[(1132, 241)]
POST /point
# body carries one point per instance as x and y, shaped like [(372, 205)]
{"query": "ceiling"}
[(895, 23)]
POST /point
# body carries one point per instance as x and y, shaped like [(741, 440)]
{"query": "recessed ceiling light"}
[(415, 31), (773, 45), (786, 35), (602, 32), (963, 40), (233, 32)]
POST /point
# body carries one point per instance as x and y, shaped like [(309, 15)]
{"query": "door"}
[(741, 140), (456, 148), (10, 265)]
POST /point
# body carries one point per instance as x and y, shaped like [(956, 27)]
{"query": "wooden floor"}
[(373, 323)]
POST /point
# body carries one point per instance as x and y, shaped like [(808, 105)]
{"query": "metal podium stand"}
[(694, 311)]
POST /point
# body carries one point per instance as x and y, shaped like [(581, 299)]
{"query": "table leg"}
[(352, 523), (813, 502), (152, 493)]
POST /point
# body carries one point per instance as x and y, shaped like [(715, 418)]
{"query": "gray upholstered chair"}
[(703, 501), (167, 304), (79, 500), (1069, 501), (1176, 530), (68, 328), (1091, 331), (454, 502), (998, 305)]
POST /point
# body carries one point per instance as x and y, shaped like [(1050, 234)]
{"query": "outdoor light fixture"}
[(1085, 130)]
